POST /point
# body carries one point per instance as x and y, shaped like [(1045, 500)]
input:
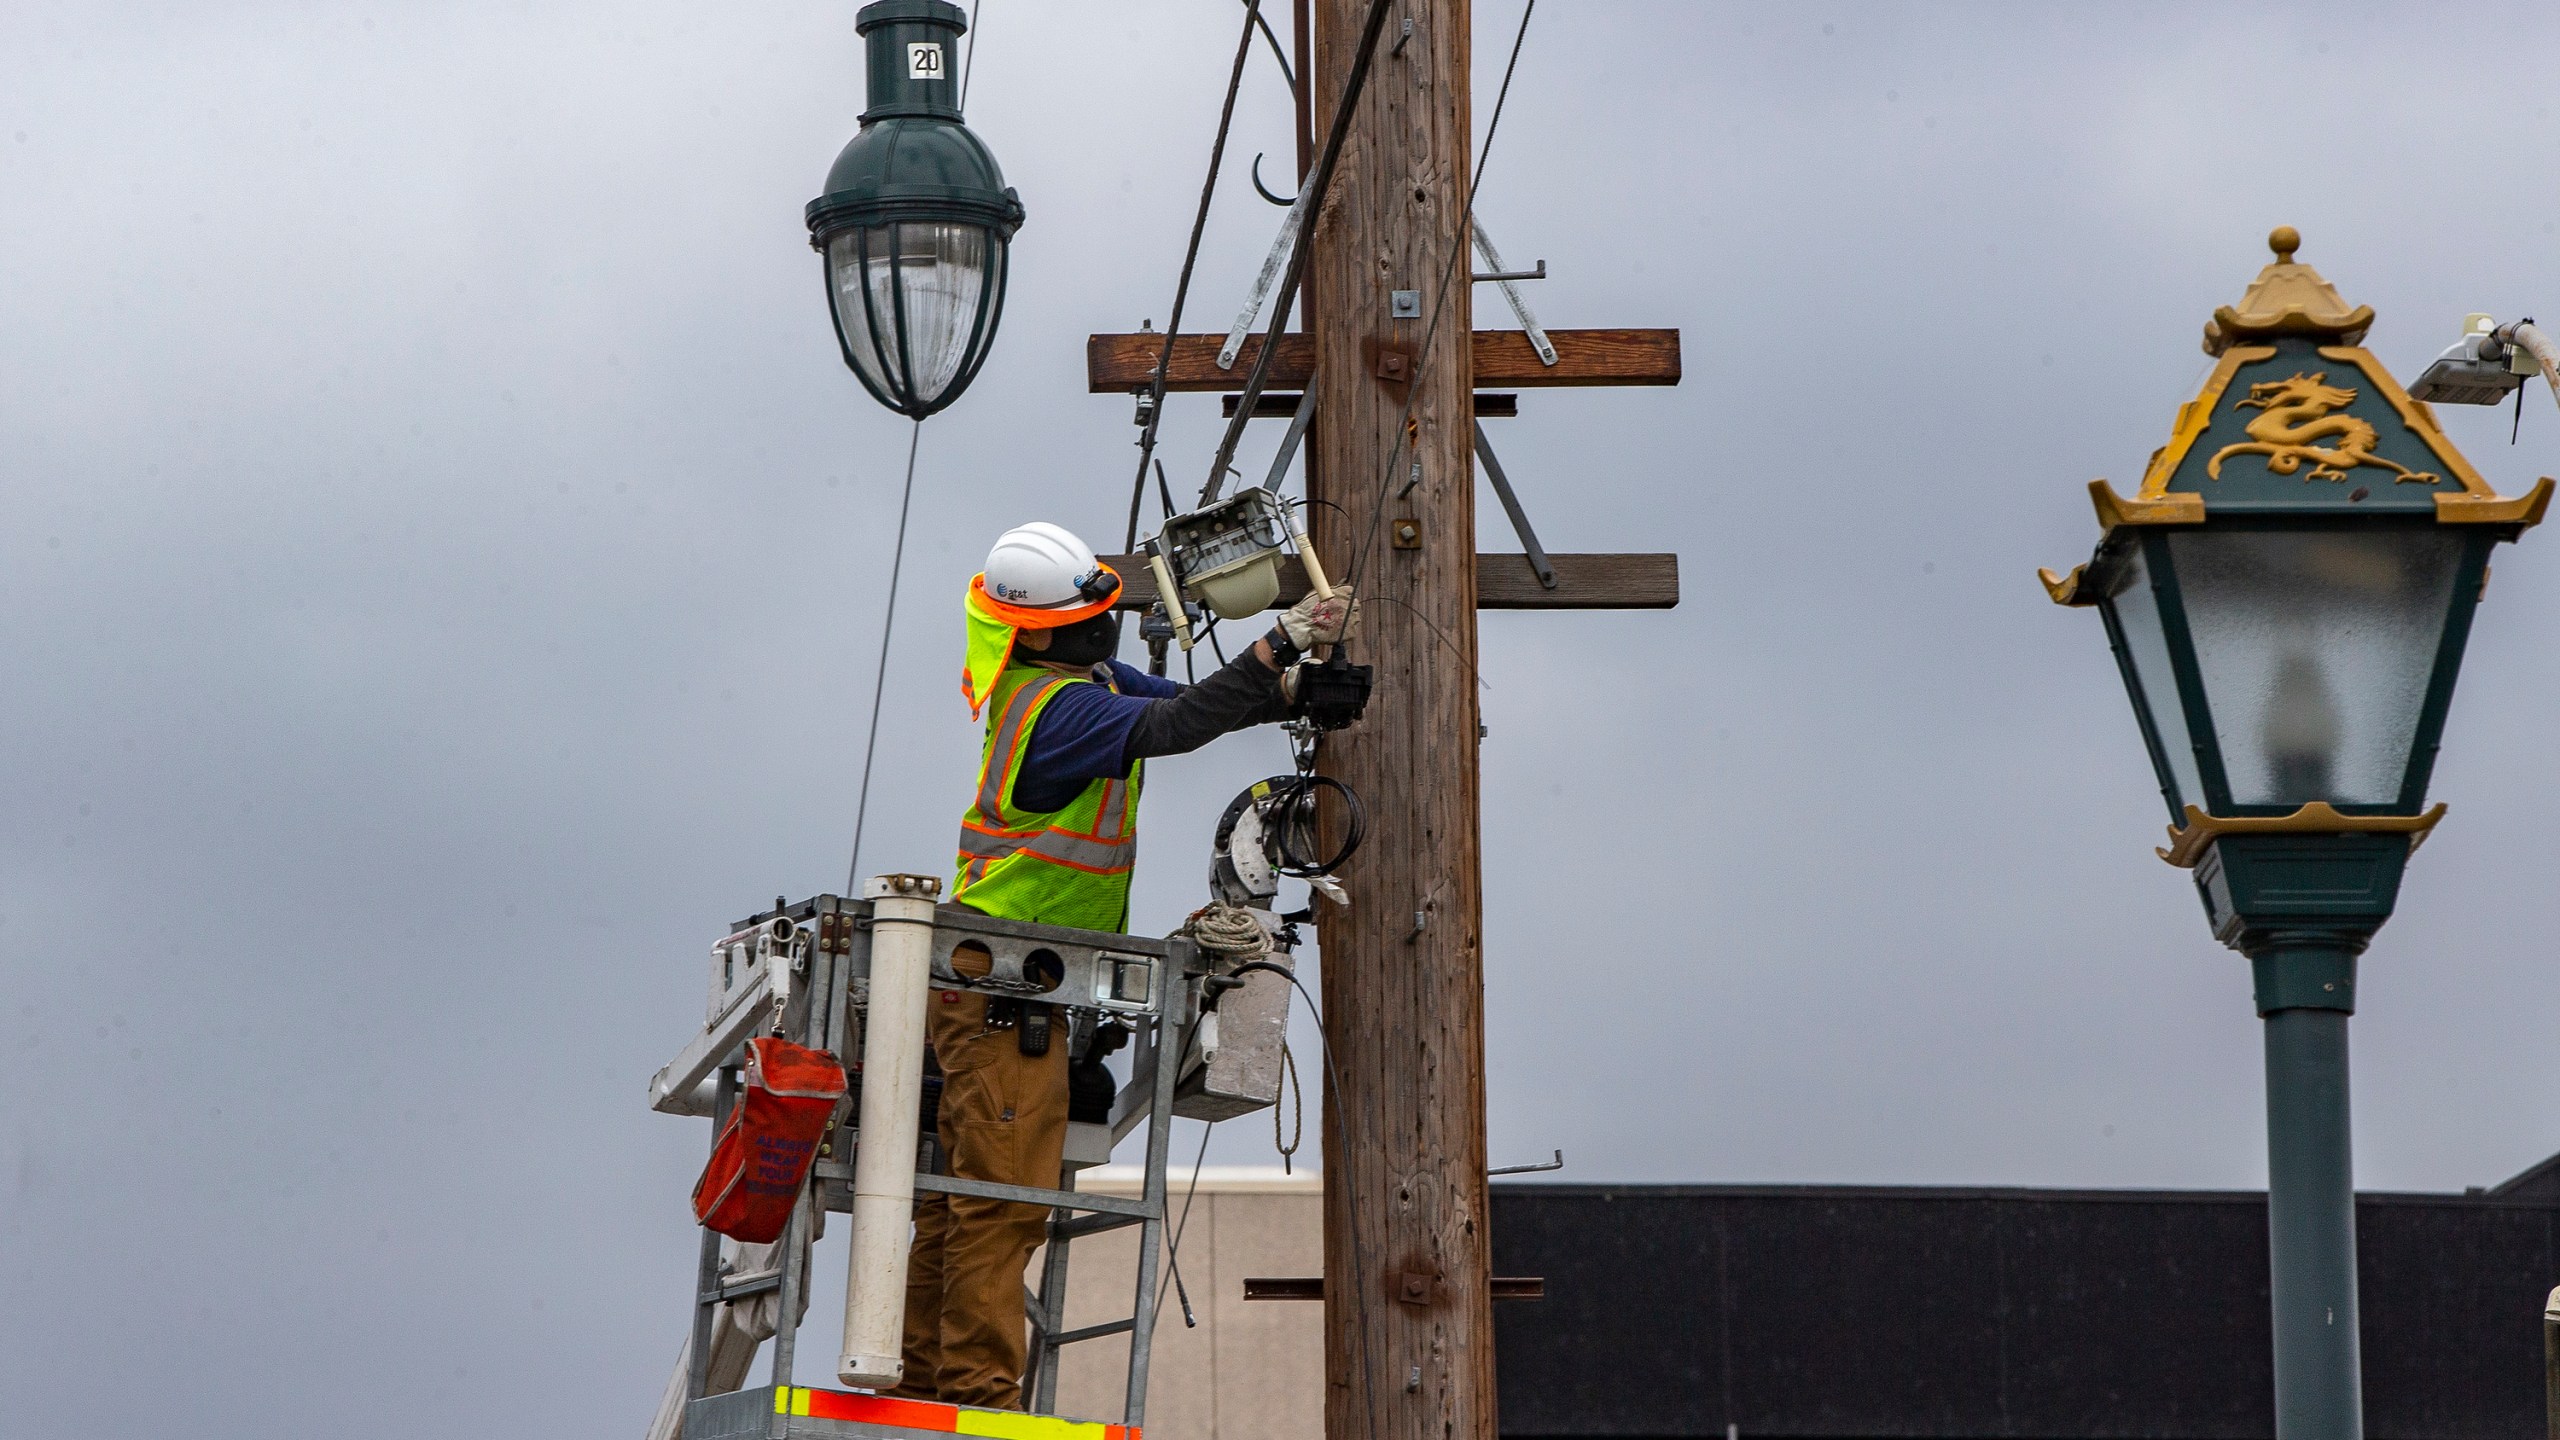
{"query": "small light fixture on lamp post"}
[(2288, 595), (916, 221)]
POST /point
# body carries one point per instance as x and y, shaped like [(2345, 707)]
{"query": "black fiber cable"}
[(1164, 493), (1182, 287), (1173, 1250), (1295, 833), (1311, 204), (1282, 56)]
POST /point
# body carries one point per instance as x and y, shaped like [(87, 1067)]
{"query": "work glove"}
[(1328, 621)]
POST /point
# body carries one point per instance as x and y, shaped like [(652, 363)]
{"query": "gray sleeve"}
[(1244, 692)]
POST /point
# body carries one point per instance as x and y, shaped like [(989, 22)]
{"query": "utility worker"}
[(1049, 839)]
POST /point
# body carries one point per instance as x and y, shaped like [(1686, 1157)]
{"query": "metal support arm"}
[(1502, 491)]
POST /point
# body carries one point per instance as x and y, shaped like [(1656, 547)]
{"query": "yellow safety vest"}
[(1064, 867)]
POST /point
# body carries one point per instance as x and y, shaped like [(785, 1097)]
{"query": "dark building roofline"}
[(2540, 1182), (1815, 1312)]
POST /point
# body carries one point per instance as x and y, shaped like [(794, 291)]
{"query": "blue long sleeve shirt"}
[(1096, 732)]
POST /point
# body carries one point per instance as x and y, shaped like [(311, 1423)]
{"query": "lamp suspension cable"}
[(1182, 287), (880, 678), (1457, 251), (969, 62)]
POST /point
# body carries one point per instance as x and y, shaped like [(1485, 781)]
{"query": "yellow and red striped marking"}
[(942, 1419)]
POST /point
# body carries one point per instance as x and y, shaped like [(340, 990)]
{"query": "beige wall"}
[(1249, 1371)]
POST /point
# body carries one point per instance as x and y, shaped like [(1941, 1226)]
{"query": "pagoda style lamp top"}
[(2289, 589), (2287, 298)]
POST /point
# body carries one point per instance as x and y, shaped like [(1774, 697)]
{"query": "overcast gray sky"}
[(441, 561)]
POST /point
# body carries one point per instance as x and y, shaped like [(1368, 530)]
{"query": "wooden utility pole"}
[(1408, 1286), (1408, 1299)]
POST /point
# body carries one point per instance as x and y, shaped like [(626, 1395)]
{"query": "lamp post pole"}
[(2302, 907), (2311, 1203), (2311, 1218)]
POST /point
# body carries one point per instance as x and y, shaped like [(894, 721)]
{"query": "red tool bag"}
[(760, 1160)]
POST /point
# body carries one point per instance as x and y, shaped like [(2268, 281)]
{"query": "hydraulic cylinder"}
[(884, 1162)]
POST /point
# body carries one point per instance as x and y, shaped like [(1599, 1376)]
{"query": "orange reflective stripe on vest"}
[(1011, 728), (1099, 856)]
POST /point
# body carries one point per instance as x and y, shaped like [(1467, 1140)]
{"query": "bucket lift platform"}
[(851, 1415), (803, 971)]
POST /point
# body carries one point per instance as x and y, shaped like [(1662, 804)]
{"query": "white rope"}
[(1229, 932)]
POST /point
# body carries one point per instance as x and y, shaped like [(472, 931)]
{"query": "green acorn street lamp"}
[(916, 220), (2287, 596)]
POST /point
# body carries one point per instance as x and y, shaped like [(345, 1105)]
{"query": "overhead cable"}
[(1182, 287), (1311, 207), (1277, 53)]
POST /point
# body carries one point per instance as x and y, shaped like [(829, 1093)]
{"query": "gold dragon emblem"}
[(2297, 415)]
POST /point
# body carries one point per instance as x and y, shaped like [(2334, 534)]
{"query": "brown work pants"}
[(1003, 1119)]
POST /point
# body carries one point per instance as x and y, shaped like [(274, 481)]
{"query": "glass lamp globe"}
[(916, 220)]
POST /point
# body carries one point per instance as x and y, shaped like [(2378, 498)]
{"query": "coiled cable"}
[(1291, 824)]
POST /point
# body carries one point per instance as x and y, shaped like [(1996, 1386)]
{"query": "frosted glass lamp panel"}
[(942, 272), (2315, 648), (859, 310), (2137, 614)]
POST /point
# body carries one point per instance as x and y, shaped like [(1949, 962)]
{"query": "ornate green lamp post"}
[(917, 219), (2287, 596)]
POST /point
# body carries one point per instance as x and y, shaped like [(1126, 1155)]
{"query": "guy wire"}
[(1182, 287), (969, 63), (880, 679)]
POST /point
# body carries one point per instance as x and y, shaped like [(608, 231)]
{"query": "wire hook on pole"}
[(1284, 202)]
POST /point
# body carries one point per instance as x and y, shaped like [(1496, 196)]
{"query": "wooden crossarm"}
[(1503, 582), (1119, 363)]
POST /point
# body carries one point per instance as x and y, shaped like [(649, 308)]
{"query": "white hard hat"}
[(1041, 566)]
